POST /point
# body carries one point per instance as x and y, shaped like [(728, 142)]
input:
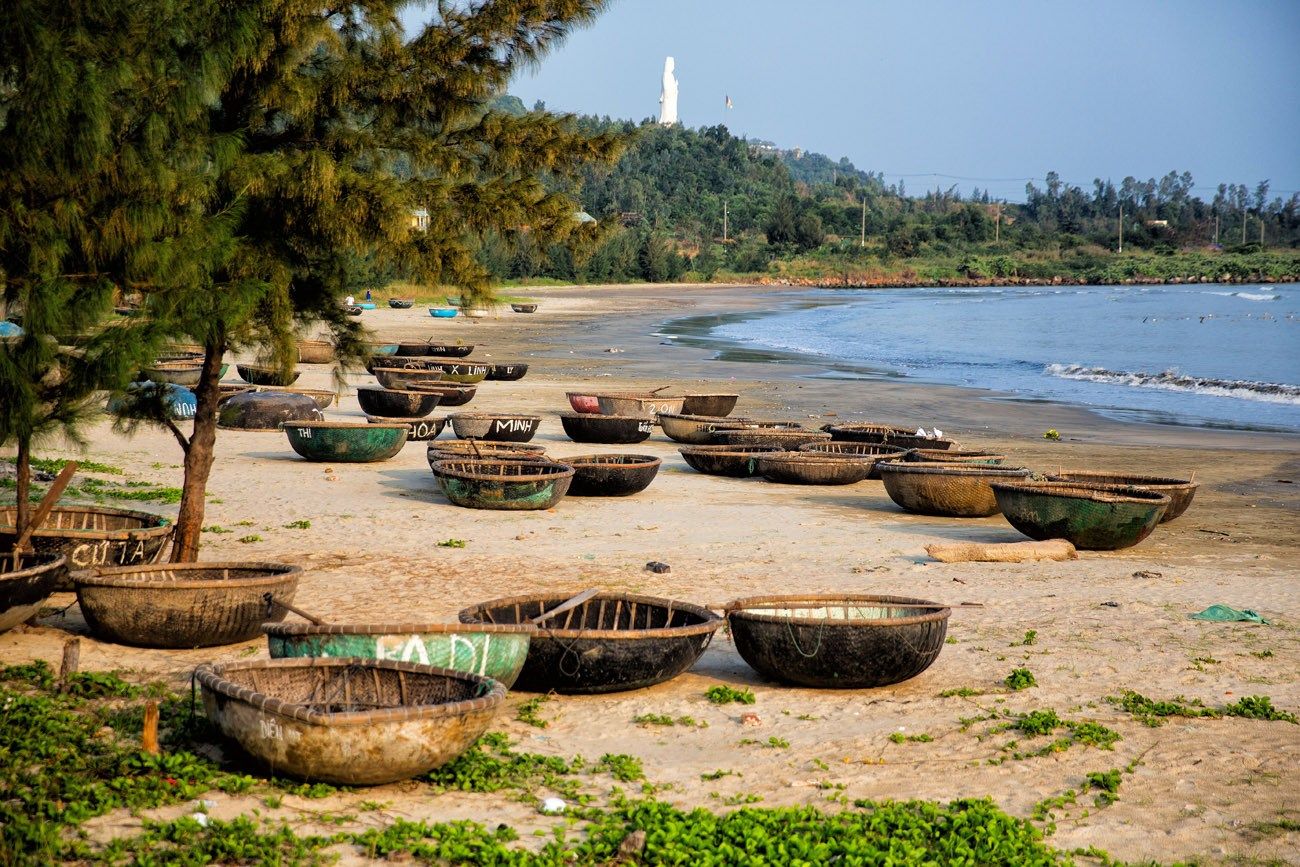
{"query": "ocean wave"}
[(1251, 296), (1172, 380)]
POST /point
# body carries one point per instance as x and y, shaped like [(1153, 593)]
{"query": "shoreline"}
[(367, 537)]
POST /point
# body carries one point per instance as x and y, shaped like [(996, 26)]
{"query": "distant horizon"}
[(952, 94)]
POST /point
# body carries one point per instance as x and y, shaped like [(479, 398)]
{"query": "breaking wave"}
[(1250, 296), (1172, 380)]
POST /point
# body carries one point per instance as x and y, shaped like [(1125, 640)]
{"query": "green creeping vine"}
[(1152, 712)]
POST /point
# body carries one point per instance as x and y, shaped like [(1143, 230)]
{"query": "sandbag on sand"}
[(1002, 552)]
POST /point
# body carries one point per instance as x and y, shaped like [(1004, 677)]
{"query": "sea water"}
[(1208, 355)]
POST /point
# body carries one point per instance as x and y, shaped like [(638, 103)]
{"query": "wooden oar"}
[(566, 605), (43, 510), (272, 600)]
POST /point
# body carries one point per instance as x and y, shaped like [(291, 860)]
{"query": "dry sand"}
[(1208, 788)]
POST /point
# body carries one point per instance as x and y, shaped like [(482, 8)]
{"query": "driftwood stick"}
[(71, 660), (149, 735), (1004, 552)]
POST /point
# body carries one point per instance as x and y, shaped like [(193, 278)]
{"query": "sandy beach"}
[(1212, 789)]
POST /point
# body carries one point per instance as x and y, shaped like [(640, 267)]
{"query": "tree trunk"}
[(199, 455), (23, 489)]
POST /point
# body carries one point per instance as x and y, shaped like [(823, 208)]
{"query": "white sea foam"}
[(1250, 296), (1172, 380)]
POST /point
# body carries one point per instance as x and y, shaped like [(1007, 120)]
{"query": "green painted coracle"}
[(346, 442), (1091, 517), (504, 485), (493, 651)]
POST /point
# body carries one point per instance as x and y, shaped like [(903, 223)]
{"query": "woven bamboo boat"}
[(946, 490), (396, 402), (357, 722), (875, 451), (179, 605), (850, 641), (420, 429), (611, 475), (139, 398), (380, 347), (401, 303), (812, 468), (584, 427), (1179, 491), (346, 442), (506, 372), (262, 375), (612, 642), (696, 430), (495, 427), (323, 397), (885, 435), (1090, 517), (583, 402), (409, 349), (464, 372), (25, 583), (487, 650), (739, 462), (952, 456), (316, 352), (91, 536), (786, 439), (452, 450), (183, 373), (504, 485), (640, 405), (718, 405), (448, 350), (524, 308), (449, 395), (258, 410)]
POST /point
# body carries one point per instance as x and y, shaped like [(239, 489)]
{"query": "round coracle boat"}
[(91, 536), (885, 435), (449, 395), (584, 427), (487, 650), (1090, 517), (263, 375), (323, 397), (314, 719), (609, 643), (179, 605), (182, 373), (413, 349), (495, 427), (266, 410), (875, 451), (524, 308), (464, 372), (1179, 491), (812, 468), (380, 347), (316, 352), (785, 439), (394, 402), (346, 442), (420, 429), (640, 405), (443, 312), (739, 462), (717, 405), (946, 490), (141, 399), (25, 583), (401, 303), (354, 309), (402, 379), (851, 641), (504, 485), (451, 450), (583, 402), (506, 372), (952, 456), (697, 430), (611, 475), (448, 350)]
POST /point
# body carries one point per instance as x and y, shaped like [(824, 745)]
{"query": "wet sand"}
[(1205, 788)]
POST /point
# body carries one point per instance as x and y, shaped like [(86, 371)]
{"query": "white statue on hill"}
[(668, 96)]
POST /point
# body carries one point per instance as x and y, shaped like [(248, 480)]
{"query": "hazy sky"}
[(996, 89)]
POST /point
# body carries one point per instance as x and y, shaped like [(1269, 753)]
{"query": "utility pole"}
[(1121, 228), (1216, 230), (1261, 233), (1244, 221), (997, 225), (724, 221), (862, 240)]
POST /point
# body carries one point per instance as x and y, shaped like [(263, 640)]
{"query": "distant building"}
[(420, 219), (1157, 224)]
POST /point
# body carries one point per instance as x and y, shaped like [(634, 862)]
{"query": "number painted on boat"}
[(645, 427)]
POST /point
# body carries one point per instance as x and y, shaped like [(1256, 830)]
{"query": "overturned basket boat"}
[(346, 442), (739, 462), (495, 651), (504, 485), (851, 641), (786, 439), (262, 375), (1179, 491), (506, 372), (258, 410), (179, 605), (582, 427), (611, 475), (885, 435), (348, 721), (524, 308), (812, 468), (873, 451), (375, 400), (420, 429), (91, 536), (709, 404), (612, 642), (25, 583), (495, 427), (1090, 517), (946, 490), (323, 397)]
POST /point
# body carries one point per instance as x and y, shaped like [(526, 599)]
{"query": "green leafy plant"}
[(249, 539), (1031, 637), (452, 543), (216, 529), (528, 711), (723, 694), (1020, 678), (1052, 434), (298, 525), (1153, 712), (901, 738)]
